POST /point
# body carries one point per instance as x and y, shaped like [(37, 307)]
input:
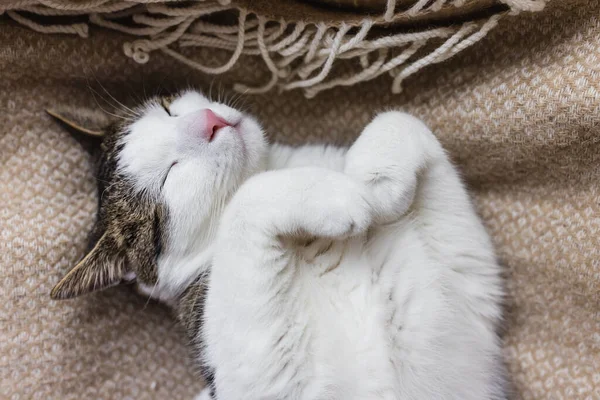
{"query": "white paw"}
[(315, 201), (336, 210)]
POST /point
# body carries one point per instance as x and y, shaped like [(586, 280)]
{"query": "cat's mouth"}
[(218, 130)]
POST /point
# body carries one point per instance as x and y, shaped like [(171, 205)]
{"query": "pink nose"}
[(213, 124), (204, 123)]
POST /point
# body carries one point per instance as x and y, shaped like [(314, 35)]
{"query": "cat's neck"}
[(189, 306)]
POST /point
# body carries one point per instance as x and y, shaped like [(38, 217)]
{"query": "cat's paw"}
[(336, 209), (301, 201), (388, 158)]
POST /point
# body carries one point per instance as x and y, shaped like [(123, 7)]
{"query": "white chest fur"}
[(403, 305)]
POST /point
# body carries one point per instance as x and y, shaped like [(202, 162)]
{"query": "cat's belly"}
[(349, 341)]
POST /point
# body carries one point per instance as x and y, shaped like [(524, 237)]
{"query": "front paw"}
[(336, 209), (301, 202), (389, 157)]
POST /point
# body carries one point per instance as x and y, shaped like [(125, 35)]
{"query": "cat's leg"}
[(387, 157), (257, 327), (315, 201), (446, 289)]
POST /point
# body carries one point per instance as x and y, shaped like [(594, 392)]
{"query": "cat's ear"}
[(99, 269), (85, 121)]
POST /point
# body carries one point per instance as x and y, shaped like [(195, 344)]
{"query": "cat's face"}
[(165, 175)]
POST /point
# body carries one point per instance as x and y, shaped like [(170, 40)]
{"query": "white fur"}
[(204, 395), (198, 187), (397, 297)]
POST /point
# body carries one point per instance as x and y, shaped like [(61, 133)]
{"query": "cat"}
[(298, 273)]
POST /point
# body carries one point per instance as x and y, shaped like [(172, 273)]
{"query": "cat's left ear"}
[(84, 121), (101, 268)]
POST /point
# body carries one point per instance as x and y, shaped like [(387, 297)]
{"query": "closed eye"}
[(167, 175), (165, 107)]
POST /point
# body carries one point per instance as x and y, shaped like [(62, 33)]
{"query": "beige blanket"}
[(519, 113)]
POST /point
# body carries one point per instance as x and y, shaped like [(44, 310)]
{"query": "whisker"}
[(125, 108), (160, 87), (151, 293), (90, 87), (210, 89), (134, 95), (144, 88), (101, 180), (240, 99), (103, 109), (107, 188), (220, 91), (125, 115)]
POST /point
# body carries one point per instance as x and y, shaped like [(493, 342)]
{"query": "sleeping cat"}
[(299, 273)]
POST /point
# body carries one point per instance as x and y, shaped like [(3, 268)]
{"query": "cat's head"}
[(166, 170)]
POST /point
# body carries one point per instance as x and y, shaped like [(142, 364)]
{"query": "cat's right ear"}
[(82, 120)]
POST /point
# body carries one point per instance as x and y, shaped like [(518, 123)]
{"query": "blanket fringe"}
[(298, 55)]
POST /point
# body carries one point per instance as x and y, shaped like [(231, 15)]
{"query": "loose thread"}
[(297, 55), (390, 9), (525, 5), (78, 29), (217, 70), (328, 64)]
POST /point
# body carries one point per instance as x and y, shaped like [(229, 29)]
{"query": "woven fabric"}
[(519, 114), (301, 43)]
